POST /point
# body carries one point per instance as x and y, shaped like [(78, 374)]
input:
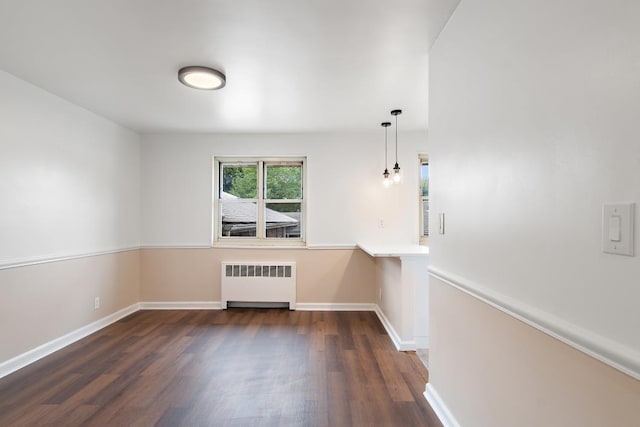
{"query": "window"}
[(259, 200), (424, 198)]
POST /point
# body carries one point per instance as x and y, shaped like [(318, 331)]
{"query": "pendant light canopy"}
[(386, 175), (397, 177)]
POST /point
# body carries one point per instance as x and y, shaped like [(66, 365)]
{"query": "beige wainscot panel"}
[(323, 276), (491, 369), (45, 301)]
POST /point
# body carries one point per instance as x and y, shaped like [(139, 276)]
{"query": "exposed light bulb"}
[(397, 177), (386, 182)]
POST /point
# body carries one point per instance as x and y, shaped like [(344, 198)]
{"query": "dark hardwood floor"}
[(240, 367)]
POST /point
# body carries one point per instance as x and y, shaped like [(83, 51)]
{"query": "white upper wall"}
[(69, 179), (345, 197), (533, 127)]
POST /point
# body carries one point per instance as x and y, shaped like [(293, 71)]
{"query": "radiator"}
[(259, 282)]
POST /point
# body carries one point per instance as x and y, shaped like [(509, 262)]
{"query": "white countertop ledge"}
[(383, 250)]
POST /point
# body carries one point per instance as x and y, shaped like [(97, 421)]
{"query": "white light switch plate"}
[(618, 228)]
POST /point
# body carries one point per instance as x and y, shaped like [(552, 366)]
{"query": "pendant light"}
[(397, 178), (387, 179)]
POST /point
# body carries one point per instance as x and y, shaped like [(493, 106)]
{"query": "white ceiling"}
[(291, 65)]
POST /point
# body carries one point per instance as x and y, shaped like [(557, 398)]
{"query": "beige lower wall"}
[(492, 370), (323, 276), (43, 302), (389, 282)]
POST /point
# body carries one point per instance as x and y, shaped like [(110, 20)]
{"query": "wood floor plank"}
[(338, 399), (238, 367), (397, 387)]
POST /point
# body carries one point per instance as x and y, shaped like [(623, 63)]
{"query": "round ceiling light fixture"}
[(204, 78)]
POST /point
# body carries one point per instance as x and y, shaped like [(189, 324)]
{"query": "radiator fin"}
[(257, 270)]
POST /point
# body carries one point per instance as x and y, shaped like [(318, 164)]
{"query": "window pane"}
[(424, 179), (240, 181), (238, 218), (283, 220), (425, 217), (283, 181)]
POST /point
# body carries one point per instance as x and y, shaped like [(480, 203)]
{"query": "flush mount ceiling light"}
[(199, 77)]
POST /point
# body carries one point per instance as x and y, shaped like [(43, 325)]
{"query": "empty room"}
[(319, 213)]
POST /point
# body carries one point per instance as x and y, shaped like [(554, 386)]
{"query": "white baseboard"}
[(54, 345), (400, 345), (439, 407), (180, 305), (422, 342), (217, 305), (307, 306)]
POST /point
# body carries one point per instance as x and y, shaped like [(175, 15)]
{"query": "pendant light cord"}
[(385, 148), (396, 139)]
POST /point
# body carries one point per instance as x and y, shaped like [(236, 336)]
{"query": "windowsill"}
[(259, 245)]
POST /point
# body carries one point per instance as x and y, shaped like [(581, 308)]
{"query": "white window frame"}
[(422, 158), (261, 202)]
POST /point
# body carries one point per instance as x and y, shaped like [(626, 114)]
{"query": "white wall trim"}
[(400, 345), (321, 306), (614, 354), (25, 262), (439, 407), (182, 246), (334, 246), (421, 342), (180, 305), (329, 246), (56, 344), (217, 305)]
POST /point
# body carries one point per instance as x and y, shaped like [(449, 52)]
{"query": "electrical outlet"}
[(381, 223), (96, 303)]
